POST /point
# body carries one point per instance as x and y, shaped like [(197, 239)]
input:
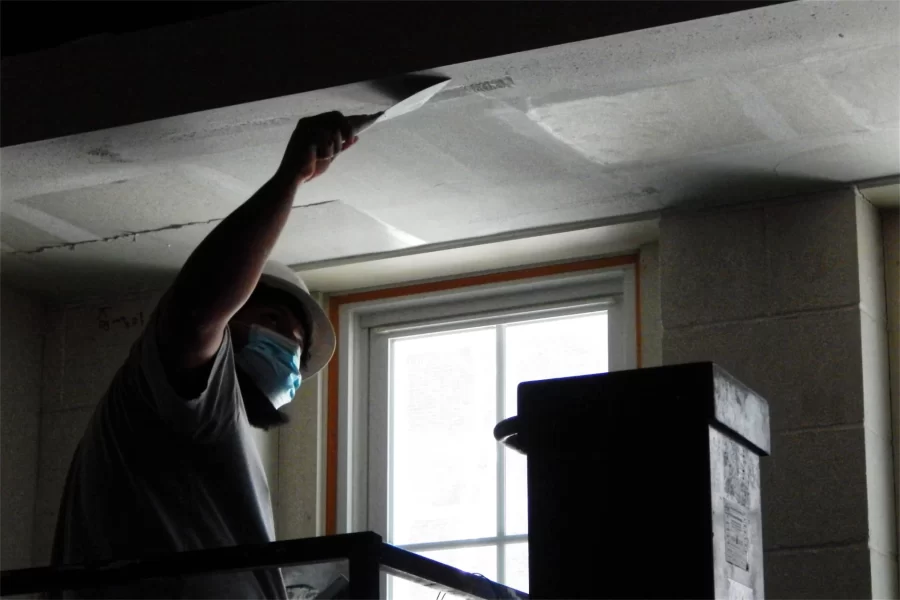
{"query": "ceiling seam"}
[(134, 234)]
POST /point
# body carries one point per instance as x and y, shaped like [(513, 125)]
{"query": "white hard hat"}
[(281, 277)]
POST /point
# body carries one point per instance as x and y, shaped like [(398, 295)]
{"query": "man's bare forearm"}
[(222, 272)]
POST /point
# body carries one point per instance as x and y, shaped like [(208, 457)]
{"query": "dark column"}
[(644, 484)]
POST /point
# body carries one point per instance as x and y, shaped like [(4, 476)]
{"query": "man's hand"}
[(314, 145)]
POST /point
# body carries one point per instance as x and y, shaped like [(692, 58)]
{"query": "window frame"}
[(345, 465), (380, 452)]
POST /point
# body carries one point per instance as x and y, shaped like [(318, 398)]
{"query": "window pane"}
[(444, 461), (479, 559), (517, 566), (546, 349), (402, 589), (516, 492), (553, 348)]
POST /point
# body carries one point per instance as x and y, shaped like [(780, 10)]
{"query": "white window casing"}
[(365, 333)]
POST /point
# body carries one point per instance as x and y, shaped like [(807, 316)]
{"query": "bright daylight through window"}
[(454, 494)]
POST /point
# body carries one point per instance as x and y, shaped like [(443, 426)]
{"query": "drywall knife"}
[(408, 104)]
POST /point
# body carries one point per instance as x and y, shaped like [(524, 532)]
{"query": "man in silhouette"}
[(168, 462)]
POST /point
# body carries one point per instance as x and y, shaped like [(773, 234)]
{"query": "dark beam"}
[(440, 577), (181, 564), (286, 48)]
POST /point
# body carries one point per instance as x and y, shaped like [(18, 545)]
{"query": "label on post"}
[(737, 535), (739, 591), (736, 461)]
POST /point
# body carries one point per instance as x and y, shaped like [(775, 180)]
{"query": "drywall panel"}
[(165, 199), (864, 82), (17, 234), (125, 264), (335, 229), (847, 158), (148, 261), (651, 125), (754, 105), (795, 98)]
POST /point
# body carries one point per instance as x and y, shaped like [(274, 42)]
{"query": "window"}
[(428, 379), (453, 493)]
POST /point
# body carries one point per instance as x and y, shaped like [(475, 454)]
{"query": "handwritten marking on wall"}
[(107, 321)]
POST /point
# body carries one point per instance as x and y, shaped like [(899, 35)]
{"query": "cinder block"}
[(870, 251), (267, 445), (808, 367), (818, 573), (114, 322), (876, 376), (22, 324), (712, 267), (651, 317), (44, 530), (814, 489), (18, 474), (97, 340), (50, 487), (49, 496), (89, 369), (811, 251), (54, 357), (882, 509), (60, 434), (296, 498)]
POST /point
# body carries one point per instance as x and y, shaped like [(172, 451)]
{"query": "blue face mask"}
[(272, 362)]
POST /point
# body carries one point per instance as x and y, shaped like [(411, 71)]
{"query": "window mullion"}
[(500, 368), (470, 543)]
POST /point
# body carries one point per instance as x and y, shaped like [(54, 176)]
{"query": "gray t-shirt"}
[(157, 473)]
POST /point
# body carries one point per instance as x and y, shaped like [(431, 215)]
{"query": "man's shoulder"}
[(205, 407)]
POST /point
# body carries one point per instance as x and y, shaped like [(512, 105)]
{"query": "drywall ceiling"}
[(753, 105)]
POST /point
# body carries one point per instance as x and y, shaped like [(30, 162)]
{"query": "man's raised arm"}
[(223, 271)]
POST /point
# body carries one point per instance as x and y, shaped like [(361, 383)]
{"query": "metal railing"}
[(367, 556)]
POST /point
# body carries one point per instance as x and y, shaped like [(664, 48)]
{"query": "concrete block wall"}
[(297, 501), (651, 310), (300, 505), (57, 362), (778, 295), (21, 346), (84, 346)]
